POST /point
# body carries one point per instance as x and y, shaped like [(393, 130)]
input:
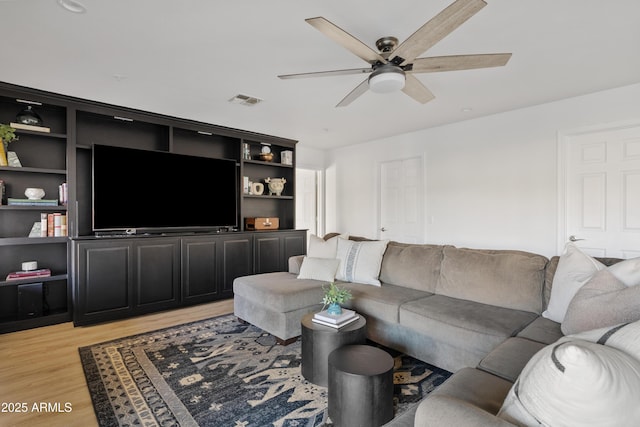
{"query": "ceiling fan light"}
[(385, 81)]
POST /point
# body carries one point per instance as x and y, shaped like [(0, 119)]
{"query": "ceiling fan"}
[(394, 65)]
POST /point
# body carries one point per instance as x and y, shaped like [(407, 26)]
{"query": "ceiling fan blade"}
[(346, 40), (459, 62), (435, 30), (415, 89), (326, 73), (355, 93)]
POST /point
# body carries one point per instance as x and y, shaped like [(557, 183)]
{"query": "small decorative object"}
[(334, 297), (13, 160), (246, 186), (257, 188), (266, 155), (29, 117), (276, 185), (34, 193), (246, 151), (286, 157)]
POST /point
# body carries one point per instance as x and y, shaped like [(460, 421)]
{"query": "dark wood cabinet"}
[(126, 276), (96, 279)]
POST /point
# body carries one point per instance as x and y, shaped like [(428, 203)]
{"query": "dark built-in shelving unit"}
[(98, 279)]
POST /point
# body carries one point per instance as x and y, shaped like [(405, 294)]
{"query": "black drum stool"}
[(360, 386)]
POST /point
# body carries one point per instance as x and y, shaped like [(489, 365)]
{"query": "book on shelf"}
[(50, 225), (335, 319), (336, 325), (11, 201), (17, 275), (30, 127)]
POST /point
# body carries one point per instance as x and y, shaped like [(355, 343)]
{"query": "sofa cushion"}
[(382, 302), (470, 397), (603, 301), (413, 266), (360, 261), (504, 278), (576, 382), (323, 269), (542, 330), (509, 358), (280, 291), (478, 328)]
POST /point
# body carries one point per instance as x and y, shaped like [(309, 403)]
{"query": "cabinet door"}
[(268, 253), (199, 269), (157, 272), (235, 258), (103, 289), (272, 250)]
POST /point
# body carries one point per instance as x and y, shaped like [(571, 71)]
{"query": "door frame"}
[(563, 141)]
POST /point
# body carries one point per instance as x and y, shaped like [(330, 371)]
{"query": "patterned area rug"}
[(220, 372)]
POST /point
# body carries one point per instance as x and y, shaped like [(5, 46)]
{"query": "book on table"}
[(336, 325), (335, 320)]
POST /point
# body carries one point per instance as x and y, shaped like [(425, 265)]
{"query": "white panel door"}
[(603, 191), (306, 200), (401, 200)]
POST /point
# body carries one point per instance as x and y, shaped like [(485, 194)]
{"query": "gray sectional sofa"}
[(474, 312)]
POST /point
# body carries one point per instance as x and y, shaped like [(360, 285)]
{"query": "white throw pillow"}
[(319, 269), (360, 261), (576, 383), (627, 271), (624, 337), (320, 248), (575, 268)]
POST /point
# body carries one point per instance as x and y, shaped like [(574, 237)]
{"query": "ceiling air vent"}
[(245, 100)]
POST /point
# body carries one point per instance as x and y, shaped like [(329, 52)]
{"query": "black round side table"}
[(318, 341), (360, 386)]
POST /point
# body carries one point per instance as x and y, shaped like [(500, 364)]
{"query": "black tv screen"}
[(147, 191)]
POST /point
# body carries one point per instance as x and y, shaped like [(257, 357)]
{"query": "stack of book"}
[(335, 321), (32, 202), (17, 275)]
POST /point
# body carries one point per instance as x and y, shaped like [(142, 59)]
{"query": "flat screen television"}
[(142, 191)]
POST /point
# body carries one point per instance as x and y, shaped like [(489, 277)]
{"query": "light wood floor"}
[(43, 365)]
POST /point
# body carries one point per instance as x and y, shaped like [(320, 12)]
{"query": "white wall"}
[(490, 182)]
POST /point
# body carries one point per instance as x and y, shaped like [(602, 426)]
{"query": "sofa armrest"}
[(295, 262), (451, 411)]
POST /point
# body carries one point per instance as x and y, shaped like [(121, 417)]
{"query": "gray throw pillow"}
[(603, 301)]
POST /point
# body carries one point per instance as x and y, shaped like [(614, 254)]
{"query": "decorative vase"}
[(276, 185), (334, 309)]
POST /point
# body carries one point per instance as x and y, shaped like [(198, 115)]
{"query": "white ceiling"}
[(187, 58)]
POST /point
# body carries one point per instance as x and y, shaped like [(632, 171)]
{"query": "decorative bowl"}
[(34, 193), (266, 157)]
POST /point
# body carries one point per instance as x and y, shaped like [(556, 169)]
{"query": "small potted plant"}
[(334, 297), (7, 135)]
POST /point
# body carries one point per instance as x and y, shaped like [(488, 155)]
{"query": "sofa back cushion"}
[(412, 266), (504, 278)]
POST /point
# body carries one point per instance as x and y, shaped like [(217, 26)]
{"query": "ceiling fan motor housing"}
[(387, 78)]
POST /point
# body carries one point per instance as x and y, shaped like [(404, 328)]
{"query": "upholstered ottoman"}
[(276, 302)]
